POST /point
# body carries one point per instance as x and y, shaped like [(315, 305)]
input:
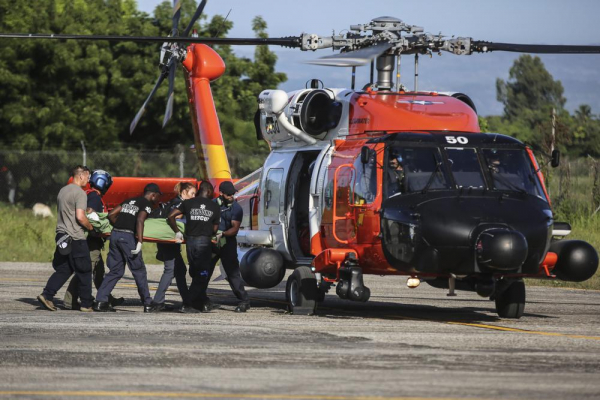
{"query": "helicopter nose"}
[(501, 249)]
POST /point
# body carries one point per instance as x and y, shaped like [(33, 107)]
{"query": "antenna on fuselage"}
[(416, 72)]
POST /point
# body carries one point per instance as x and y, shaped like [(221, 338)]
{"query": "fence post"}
[(84, 154), (181, 159)]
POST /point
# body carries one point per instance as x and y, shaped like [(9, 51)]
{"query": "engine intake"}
[(317, 112)]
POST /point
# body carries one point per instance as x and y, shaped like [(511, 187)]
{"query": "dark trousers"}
[(77, 262), (199, 251), (170, 254), (95, 245), (228, 256), (119, 254)]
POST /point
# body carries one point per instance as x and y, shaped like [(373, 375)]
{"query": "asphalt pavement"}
[(402, 344)]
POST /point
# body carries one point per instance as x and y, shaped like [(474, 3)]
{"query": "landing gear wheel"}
[(301, 292), (510, 303)]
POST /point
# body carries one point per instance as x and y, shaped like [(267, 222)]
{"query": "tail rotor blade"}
[(197, 15), (171, 95), (140, 113)]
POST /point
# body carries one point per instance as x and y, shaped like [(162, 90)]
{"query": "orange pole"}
[(203, 65)]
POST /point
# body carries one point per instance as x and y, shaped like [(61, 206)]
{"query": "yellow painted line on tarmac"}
[(21, 280), (468, 324), (506, 329), (206, 395)]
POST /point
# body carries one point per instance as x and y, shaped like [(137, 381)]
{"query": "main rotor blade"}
[(139, 114), (484, 47), (176, 16), (353, 58), (197, 15), (171, 95), (285, 41)]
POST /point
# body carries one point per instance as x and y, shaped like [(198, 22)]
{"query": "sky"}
[(510, 21)]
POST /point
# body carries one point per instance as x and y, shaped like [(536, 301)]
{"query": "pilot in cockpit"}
[(395, 175), (494, 162)]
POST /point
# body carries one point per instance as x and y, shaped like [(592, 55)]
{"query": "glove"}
[(179, 237), (138, 248)]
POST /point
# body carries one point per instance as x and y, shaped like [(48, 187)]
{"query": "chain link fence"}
[(29, 177)]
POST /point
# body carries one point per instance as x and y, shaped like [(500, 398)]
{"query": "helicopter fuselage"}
[(467, 204)]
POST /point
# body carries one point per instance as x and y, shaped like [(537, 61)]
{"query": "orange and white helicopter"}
[(381, 180)]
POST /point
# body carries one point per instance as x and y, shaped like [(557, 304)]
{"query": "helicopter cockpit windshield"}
[(420, 168), (412, 169), (511, 169)]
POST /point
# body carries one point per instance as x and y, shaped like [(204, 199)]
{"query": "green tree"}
[(530, 88), (528, 97), (56, 94)]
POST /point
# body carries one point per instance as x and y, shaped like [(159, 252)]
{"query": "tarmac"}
[(402, 344)]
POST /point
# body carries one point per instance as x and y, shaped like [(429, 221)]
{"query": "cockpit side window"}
[(465, 167), (365, 187)]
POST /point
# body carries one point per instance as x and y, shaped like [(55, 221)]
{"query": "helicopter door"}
[(343, 215), (273, 196)]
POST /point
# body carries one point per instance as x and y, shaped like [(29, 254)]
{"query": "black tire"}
[(301, 292), (510, 303)]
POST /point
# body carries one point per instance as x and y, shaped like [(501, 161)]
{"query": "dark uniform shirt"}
[(201, 215), (130, 209), (94, 201), (231, 212)]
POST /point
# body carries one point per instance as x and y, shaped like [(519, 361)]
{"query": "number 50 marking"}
[(458, 139)]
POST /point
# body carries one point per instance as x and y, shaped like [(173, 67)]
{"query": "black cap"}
[(227, 188), (152, 187)]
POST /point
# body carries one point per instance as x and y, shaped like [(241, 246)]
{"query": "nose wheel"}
[(510, 299), (301, 292)]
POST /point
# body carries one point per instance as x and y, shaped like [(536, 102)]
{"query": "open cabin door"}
[(272, 212)]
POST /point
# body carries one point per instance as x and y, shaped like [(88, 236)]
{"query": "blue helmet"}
[(101, 180)]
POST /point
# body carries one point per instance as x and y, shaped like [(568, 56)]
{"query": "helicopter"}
[(380, 180)]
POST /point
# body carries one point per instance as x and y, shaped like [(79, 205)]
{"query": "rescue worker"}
[(202, 220), (395, 174), (170, 253), (226, 249), (100, 182), (126, 247), (72, 254)]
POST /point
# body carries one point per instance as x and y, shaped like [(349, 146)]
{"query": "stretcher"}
[(156, 230)]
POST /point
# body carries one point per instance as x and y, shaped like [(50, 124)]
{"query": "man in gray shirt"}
[(71, 254)]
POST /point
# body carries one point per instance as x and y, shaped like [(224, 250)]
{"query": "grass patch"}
[(31, 239)]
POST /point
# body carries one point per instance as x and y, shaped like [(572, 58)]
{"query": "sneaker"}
[(162, 307), (86, 309), (187, 309), (116, 301), (243, 306), (47, 304), (208, 307)]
